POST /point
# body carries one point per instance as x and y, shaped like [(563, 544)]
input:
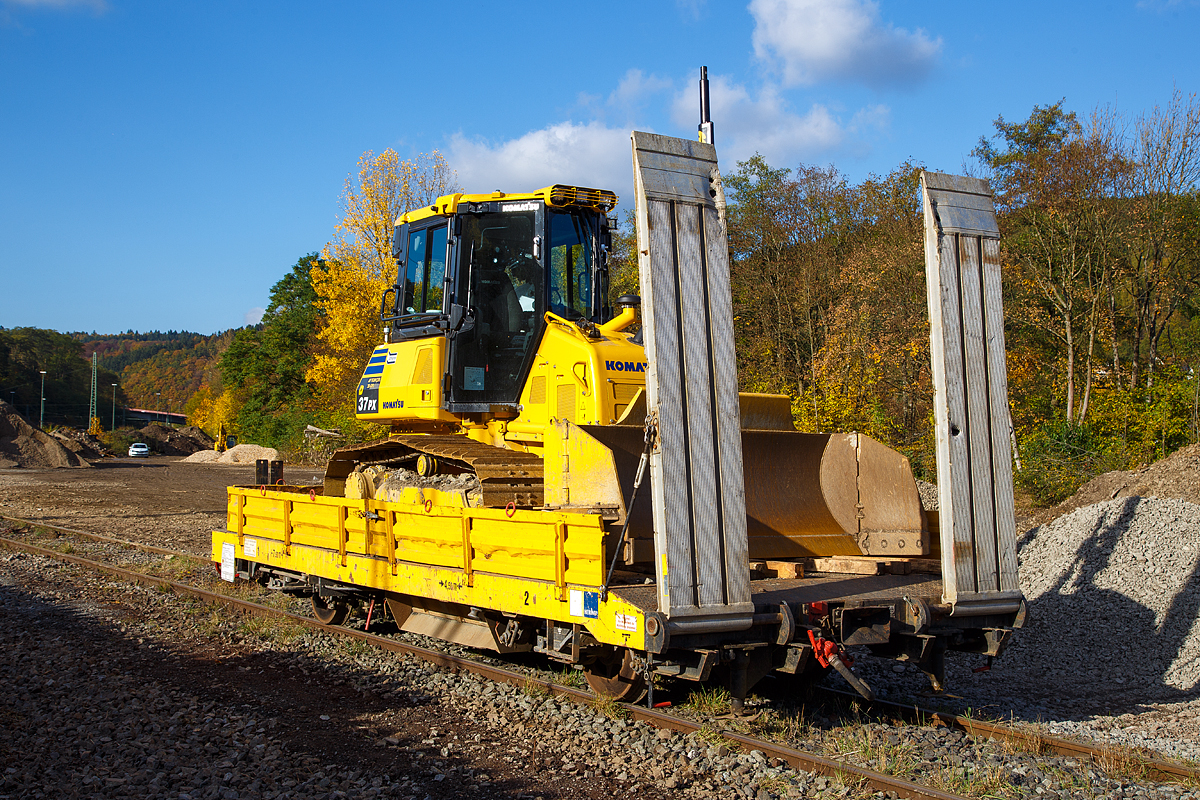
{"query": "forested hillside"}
[(25, 352), (1100, 220)]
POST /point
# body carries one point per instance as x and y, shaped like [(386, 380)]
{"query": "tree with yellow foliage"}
[(357, 266)]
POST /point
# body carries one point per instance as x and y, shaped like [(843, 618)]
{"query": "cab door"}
[(500, 294)]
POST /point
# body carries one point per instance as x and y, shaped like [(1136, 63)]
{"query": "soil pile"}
[(22, 445), (171, 442), (1177, 476), (242, 454), (80, 443)]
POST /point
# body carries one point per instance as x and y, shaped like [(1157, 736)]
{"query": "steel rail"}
[(1101, 755), (147, 548), (799, 759), (1155, 769)]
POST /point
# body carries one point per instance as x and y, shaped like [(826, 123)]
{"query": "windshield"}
[(571, 238)]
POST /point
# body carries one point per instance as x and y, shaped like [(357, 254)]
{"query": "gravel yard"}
[(112, 690)]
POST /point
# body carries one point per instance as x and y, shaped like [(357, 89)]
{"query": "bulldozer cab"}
[(484, 272)]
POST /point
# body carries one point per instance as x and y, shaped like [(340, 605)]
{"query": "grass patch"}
[(709, 701), (708, 733), (271, 629), (603, 704), (990, 782), (535, 689), (571, 677)]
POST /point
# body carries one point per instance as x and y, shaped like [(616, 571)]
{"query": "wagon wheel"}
[(615, 675), (329, 612)]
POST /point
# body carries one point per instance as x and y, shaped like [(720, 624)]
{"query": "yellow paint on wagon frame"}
[(526, 564)]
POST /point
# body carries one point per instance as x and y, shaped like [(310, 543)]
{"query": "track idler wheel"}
[(427, 466), (614, 674), (330, 612)]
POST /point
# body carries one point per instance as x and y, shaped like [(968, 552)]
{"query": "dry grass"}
[(270, 629), (534, 689), (603, 704)]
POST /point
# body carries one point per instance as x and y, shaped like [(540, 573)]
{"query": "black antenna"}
[(706, 126)]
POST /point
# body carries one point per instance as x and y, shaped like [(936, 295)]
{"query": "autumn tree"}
[(872, 370), (785, 239), (265, 366), (357, 266), (1056, 184), (1162, 271)]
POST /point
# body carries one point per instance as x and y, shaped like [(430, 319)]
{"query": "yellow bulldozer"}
[(503, 357)]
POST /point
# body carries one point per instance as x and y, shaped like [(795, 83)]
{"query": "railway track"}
[(1101, 756)]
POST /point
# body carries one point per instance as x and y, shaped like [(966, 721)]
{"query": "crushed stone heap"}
[(22, 445), (1114, 606), (241, 454)]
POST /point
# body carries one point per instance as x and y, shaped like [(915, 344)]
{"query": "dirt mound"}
[(242, 454), (22, 445), (80, 443), (171, 442), (1175, 477)]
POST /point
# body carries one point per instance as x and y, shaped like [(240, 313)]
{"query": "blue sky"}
[(162, 164)]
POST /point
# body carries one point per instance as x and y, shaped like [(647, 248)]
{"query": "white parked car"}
[(139, 450)]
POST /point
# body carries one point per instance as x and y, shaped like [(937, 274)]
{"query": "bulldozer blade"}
[(807, 494)]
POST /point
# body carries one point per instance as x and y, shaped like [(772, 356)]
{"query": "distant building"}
[(144, 415)]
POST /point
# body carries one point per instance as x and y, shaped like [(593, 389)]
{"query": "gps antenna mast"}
[(706, 126)]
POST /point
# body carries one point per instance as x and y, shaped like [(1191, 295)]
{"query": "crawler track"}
[(505, 476)]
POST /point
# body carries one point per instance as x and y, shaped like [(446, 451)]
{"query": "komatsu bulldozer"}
[(503, 356)]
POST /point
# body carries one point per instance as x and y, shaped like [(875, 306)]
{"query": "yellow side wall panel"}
[(530, 563)]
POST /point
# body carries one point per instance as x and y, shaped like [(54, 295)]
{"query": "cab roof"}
[(556, 196)]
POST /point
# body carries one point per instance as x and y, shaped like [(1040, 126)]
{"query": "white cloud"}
[(817, 40), (253, 316), (581, 154), (744, 124), (636, 88)]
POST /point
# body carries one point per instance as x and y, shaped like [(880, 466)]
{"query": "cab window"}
[(570, 265), (423, 282)]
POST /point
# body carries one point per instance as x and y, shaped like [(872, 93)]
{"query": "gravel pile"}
[(1176, 476), (1111, 646), (80, 443), (241, 454), (168, 441)]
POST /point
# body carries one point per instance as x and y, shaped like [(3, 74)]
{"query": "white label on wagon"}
[(228, 556), (576, 603), (250, 548), (627, 622)]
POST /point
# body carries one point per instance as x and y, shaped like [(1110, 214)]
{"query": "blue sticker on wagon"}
[(591, 605)]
